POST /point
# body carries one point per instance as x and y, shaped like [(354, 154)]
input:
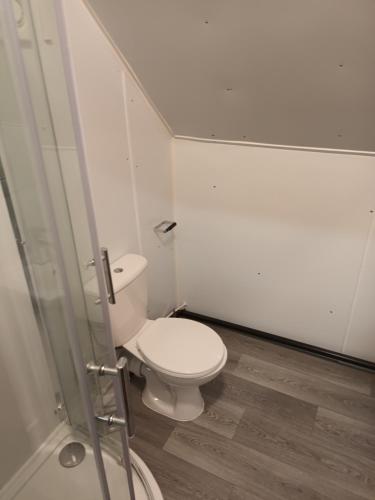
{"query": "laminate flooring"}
[(278, 424)]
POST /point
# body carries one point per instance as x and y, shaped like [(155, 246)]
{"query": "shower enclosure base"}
[(43, 478)]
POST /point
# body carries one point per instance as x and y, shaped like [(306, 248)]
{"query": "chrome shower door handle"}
[(123, 373), (108, 275)]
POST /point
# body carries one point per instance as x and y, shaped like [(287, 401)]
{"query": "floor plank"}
[(240, 494), (307, 388), (307, 453), (352, 378), (250, 395), (178, 479), (350, 435), (221, 416), (232, 361), (247, 468), (278, 425)]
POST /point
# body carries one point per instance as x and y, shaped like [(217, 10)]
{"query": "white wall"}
[(274, 239), (129, 155), (360, 338), (280, 242), (27, 400)]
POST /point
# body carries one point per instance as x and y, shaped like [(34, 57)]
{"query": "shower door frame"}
[(24, 97)]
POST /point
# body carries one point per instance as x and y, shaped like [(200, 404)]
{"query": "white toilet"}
[(175, 355)]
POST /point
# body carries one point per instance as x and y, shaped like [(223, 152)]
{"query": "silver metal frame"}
[(25, 99), (24, 96), (67, 63)]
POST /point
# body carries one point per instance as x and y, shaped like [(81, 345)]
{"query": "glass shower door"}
[(52, 217)]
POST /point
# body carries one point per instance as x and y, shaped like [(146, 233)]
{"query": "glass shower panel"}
[(45, 180), (18, 168), (62, 152), (31, 224), (45, 77)]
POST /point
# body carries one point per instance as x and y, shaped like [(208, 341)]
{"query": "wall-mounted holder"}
[(165, 226)]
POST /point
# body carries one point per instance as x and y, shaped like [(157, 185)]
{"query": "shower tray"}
[(44, 478)]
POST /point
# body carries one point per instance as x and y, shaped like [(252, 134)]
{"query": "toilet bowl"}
[(174, 355)]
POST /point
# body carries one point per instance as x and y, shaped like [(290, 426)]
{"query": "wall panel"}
[(152, 165), (98, 81), (129, 156), (360, 338), (272, 239), (27, 400)]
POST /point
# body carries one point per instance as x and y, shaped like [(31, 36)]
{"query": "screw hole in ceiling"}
[(239, 47)]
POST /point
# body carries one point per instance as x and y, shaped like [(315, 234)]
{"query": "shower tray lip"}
[(145, 484)]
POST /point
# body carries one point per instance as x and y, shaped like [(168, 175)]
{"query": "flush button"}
[(118, 270)]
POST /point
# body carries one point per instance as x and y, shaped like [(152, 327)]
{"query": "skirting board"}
[(293, 344)]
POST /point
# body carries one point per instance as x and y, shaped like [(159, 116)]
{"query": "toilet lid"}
[(181, 346)]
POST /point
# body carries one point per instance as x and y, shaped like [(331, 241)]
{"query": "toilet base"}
[(182, 403)]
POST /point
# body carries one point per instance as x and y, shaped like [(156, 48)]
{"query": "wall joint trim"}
[(275, 146)]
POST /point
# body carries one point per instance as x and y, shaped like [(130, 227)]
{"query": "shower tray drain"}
[(72, 454)]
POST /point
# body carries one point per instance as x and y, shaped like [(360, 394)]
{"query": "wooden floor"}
[(278, 424)]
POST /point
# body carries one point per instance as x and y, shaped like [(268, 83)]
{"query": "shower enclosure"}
[(46, 205)]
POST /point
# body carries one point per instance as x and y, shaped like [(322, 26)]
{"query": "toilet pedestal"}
[(182, 403)]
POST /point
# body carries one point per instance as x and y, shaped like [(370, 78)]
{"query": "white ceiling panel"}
[(292, 72)]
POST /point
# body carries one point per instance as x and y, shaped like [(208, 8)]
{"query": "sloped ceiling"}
[(291, 72)]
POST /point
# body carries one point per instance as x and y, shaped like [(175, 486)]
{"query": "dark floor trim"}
[(293, 344)]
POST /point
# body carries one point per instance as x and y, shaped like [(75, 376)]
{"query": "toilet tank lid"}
[(124, 271)]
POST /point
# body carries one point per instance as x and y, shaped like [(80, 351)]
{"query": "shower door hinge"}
[(121, 371)]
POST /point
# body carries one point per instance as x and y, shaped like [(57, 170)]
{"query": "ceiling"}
[(291, 72)]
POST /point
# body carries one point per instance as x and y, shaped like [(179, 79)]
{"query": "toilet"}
[(174, 355)]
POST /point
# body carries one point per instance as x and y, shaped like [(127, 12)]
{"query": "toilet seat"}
[(180, 347)]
